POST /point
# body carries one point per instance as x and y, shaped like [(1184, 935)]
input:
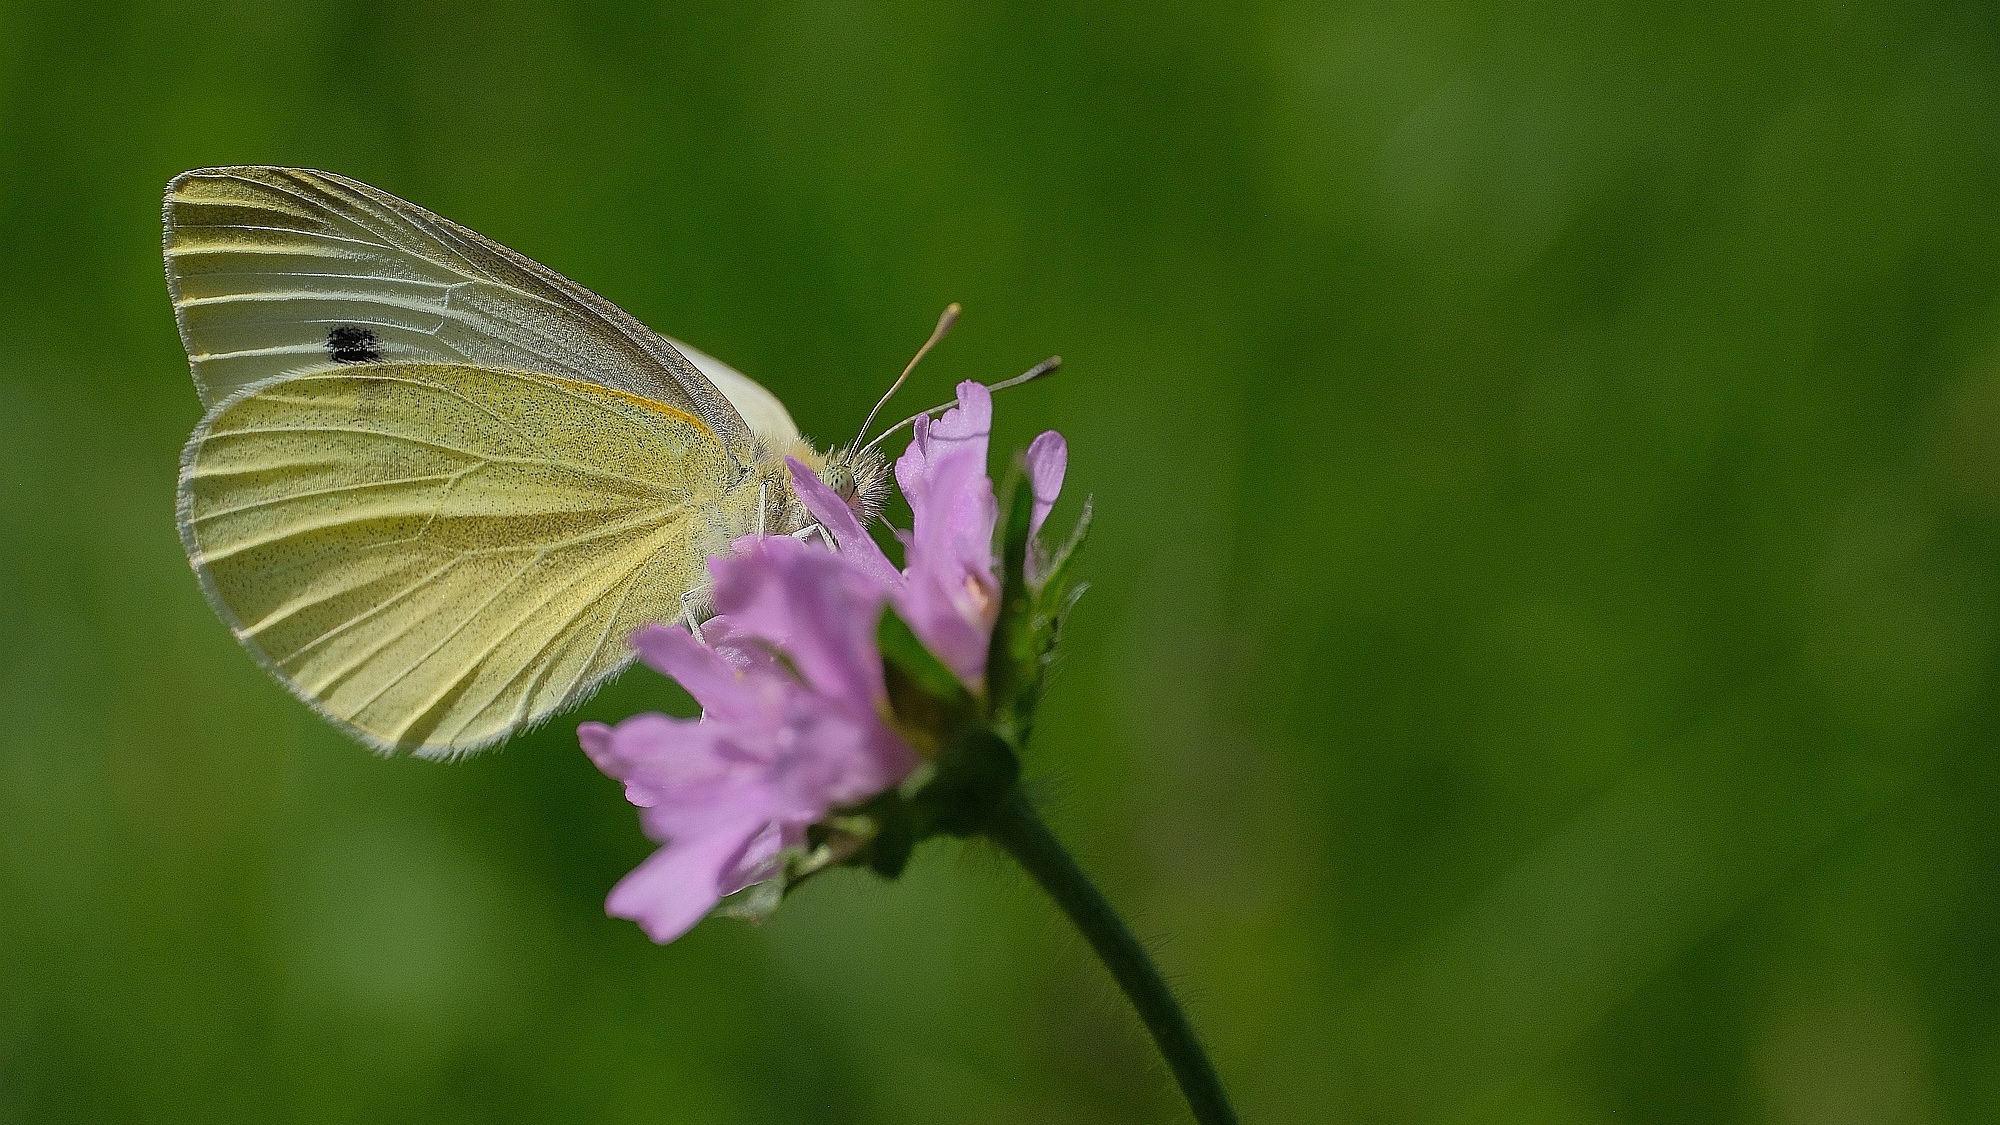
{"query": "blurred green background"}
[(1542, 659)]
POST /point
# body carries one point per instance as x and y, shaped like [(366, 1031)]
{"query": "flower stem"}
[(1015, 827)]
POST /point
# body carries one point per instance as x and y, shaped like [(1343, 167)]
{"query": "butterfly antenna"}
[(945, 320), (1028, 376)]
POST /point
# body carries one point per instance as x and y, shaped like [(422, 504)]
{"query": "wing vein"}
[(472, 666), (332, 490)]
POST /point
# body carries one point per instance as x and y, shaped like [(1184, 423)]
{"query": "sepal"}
[(830, 843), (928, 705), (952, 795), (1013, 664), (974, 774), (1035, 595)]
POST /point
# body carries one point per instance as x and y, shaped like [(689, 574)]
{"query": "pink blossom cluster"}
[(794, 722)]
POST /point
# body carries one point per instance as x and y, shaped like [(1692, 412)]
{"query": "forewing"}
[(281, 270), (434, 556)]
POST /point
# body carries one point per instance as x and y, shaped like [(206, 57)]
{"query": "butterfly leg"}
[(760, 508), (687, 613)]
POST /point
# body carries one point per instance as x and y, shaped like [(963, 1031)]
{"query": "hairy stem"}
[(1016, 828)]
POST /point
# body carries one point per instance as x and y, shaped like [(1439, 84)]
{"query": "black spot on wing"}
[(349, 344)]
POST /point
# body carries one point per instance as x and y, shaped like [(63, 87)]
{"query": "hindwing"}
[(436, 555)]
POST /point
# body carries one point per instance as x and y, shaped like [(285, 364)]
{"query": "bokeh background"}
[(1541, 665)]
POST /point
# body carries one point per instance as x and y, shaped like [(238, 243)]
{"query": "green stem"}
[(1015, 827)]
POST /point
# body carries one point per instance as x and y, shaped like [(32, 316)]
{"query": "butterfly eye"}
[(840, 478)]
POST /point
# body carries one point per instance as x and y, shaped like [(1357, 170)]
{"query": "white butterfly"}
[(439, 483)]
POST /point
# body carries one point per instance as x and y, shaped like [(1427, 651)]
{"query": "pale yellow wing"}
[(276, 271), (434, 556)]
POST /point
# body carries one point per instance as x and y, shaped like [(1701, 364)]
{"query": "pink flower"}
[(790, 678), (949, 589), (777, 746)]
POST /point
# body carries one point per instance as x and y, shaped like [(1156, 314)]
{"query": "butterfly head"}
[(860, 477)]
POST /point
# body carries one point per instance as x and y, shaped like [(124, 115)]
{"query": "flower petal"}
[(950, 593), (672, 764), (758, 860), (943, 474), (970, 420), (832, 757), (813, 605), (680, 883), (1048, 457), (716, 682)]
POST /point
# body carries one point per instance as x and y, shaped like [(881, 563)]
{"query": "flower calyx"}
[(970, 742)]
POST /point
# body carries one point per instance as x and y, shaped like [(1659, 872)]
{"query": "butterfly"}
[(437, 484)]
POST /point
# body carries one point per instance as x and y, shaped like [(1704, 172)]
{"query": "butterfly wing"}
[(279, 270), (433, 555)]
